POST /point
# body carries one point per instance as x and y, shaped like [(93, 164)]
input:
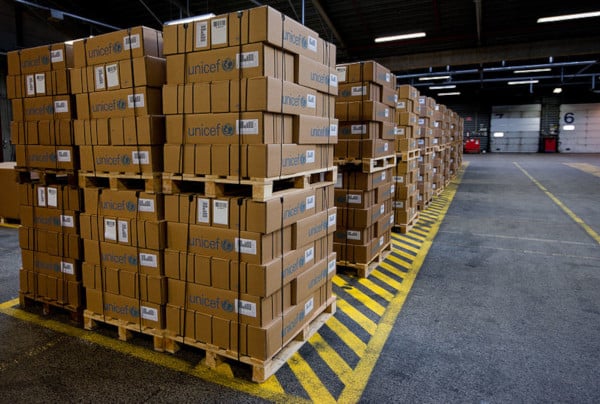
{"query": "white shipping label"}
[(381, 240), (218, 31), (146, 205), (131, 42), (310, 156), (353, 235), (388, 77), (311, 101), (421, 121), (203, 210), (247, 60), (392, 219), (63, 156), (383, 176), (221, 212), (112, 75), (386, 146), (401, 105), (67, 268), (100, 77), (382, 209), (123, 231), (148, 260), (309, 306), (110, 229), (245, 308), (333, 80), (309, 254), (422, 101), (420, 141), (61, 107), (56, 56), (398, 204), (386, 113), (149, 313), (52, 199), (331, 221), (392, 189), (436, 124), (245, 246), (341, 73), (140, 157), (358, 90), (358, 129), (41, 196), (312, 44), (354, 198), (246, 126), (395, 98), (339, 182), (331, 267), (400, 131), (201, 34), (135, 101), (333, 130), (399, 179), (310, 202), (67, 221), (40, 83), (30, 84)]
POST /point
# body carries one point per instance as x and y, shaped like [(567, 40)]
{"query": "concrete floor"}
[(506, 308)]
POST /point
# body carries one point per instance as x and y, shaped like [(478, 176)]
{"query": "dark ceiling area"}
[(478, 44)]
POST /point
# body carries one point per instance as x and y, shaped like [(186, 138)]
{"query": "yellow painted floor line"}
[(414, 238), (10, 226), (588, 168), (390, 268), (399, 262), (360, 296), (405, 254), (339, 366), (309, 380), (378, 290), (387, 280), (349, 338), (10, 303), (561, 205), (365, 322), (422, 233), (400, 244)]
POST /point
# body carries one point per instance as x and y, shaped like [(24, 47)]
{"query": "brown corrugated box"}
[(406, 131), (307, 283), (364, 111), (128, 159), (9, 206), (137, 101), (59, 158), (40, 59), (139, 233), (125, 308), (42, 108), (61, 221), (408, 91), (355, 179), (53, 82), (51, 288), (354, 198), (367, 130), (120, 131), (51, 265), (45, 132), (124, 203), (51, 242), (364, 148), (63, 197), (366, 71), (361, 218), (361, 253), (132, 259)]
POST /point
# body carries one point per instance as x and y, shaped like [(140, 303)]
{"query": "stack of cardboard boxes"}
[(440, 156), (117, 83), (38, 85), (366, 108), (249, 106), (407, 153), (425, 144), (456, 143)]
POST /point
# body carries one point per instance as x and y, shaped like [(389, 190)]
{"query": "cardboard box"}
[(53, 82), (9, 206), (408, 92), (362, 218), (356, 179), (44, 132), (125, 308), (405, 118), (138, 101), (138, 233), (62, 197), (127, 258), (267, 161), (354, 198), (366, 71), (314, 227), (364, 149), (405, 215), (407, 131), (40, 59), (406, 144), (120, 131), (58, 158), (310, 281), (124, 203), (51, 242), (364, 111), (51, 288), (42, 108), (127, 159), (361, 253), (50, 219), (317, 76), (367, 130), (405, 105), (51, 265), (118, 45)]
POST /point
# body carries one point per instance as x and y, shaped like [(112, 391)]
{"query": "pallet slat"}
[(147, 182), (369, 165), (363, 270), (49, 306)]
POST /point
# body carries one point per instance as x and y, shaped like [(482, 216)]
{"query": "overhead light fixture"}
[(557, 90), (400, 37), (191, 19), (442, 87), (546, 69), (434, 78), (566, 17), (514, 83), (450, 93)]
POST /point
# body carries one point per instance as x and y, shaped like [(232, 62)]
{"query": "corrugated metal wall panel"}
[(520, 126), (579, 128)]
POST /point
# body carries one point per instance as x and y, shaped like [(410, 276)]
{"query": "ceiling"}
[(478, 43)]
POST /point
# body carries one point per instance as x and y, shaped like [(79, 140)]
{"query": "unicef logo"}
[(302, 207), (227, 306), (303, 159), (117, 47), (301, 261), (227, 245), (49, 109), (132, 260), (304, 42), (227, 64), (346, 93), (125, 160), (52, 157), (45, 60), (303, 102), (130, 206), (228, 129), (56, 221), (134, 312), (345, 131), (121, 104)]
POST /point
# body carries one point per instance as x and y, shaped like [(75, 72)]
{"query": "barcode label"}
[(386, 146), (386, 113), (131, 42), (218, 31), (309, 306), (221, 212), (148, 260), (245, 308), (358, 129), (52, 199), (311, 101), (353, 235), (30, 84), (123, 231), (135, 100), (381, 240), (112, 75), (67, 221), (203, 210), (383, 176), (309, 255), (333, 130), (382, 210), (398, 204), (310, 202), (201, 34), (422, 101), (358, 90), (140, 157), (245, 246), (331, 220), (99, 78), (312, 44), (146, 205), (61, 107), (331, 267), (401, 105), (399, 179), (388, 77), (149, 313), (400, 131), (247, 60), (41, 196), (56, 56), (246, 126), (310, 157), (40, 83), (110, 229), (353, 198), (339, 182), (67, 268), (333, 80), (341, 73), (63, 156)]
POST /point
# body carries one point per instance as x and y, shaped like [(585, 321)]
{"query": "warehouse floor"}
[(505, 308)]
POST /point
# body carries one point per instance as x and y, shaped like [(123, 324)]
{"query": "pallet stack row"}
[(42, 130), (249, 174), (117, 82), (365, 154), (425, 123)]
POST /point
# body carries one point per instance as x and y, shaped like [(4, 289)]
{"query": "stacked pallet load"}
[(249, 178), (407, 154), (117, 83), (38, 85), (425, 159), (456, 143), (365, 154), (440, 157)]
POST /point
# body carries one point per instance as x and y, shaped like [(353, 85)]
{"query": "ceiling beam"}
[(327, 20), (493, 54)]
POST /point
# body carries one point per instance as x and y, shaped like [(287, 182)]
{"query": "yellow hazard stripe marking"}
[(365, 322), (339, 366), (309, 380), (378, 290), (386, 279), (588, 168), (347, 336), (367, 301)]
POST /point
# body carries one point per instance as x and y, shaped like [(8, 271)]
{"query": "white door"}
[(579, 128), (515, 128)]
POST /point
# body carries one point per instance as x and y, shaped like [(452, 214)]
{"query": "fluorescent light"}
[(400, 37), (569, 127), (557, 90), (513, 83), (569, 17), (498, 134), (191, 19), (442, 87), (450, 93), (433, 78), (547, 69)]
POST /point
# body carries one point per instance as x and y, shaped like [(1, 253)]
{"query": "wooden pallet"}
[(369, 165), (50, 307), (26, 175), (261, 369), (422, 205), (364, 270), (147, 182), (10, 222), (260, 189), (408, 154), (125, 329), (406, 227)]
